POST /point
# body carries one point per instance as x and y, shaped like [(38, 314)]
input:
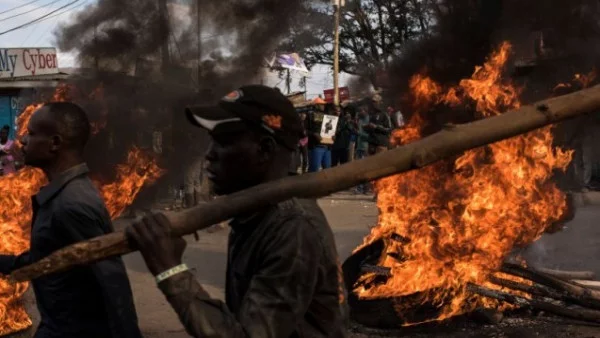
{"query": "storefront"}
[(23, 72)]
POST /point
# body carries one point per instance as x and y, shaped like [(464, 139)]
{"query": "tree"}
[(372, 33)]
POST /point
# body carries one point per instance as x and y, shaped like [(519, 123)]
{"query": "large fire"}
[(15, 211), (458, 220)]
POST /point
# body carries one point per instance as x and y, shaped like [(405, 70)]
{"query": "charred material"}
[(544, 292)]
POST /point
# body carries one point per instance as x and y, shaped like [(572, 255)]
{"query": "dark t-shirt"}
[(380, 136)]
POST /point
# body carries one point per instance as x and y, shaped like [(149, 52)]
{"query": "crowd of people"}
[(362, 129)]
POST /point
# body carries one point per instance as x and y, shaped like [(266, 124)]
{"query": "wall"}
[(10, 107), (6, 116)]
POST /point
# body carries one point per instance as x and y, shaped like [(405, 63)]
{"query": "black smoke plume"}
[(121, 48), (552, 41)]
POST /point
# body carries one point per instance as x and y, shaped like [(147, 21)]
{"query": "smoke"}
[(551, 42), (114, 30), (121, 47), (560, 37), (463, 35), (235, 35)]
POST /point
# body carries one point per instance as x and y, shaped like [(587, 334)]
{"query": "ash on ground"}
[(522, 325)]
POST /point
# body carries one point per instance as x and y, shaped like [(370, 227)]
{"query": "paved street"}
[(576, 247)]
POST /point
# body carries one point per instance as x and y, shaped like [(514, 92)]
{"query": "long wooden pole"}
[(199, 33), (336, 52), (451, 141)]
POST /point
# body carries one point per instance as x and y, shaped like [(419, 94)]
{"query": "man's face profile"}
[(234, 161), (40, 143)]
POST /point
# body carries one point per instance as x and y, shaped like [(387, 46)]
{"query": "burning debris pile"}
[(446, 229), (138, 170)]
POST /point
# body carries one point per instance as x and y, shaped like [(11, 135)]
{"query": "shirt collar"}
[(50, 190), (248, 221)]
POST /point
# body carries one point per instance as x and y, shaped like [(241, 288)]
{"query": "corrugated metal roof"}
[(47, 77), (28, 84)]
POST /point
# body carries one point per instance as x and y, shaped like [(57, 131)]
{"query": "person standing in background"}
[(7, 159), (303, 144), (379, 129), (362, 143), (362, 136), (341, 144), (353, 126), (396, 117), (319, 153)]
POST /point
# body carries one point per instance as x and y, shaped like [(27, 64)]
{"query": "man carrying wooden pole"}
[(283, 278)]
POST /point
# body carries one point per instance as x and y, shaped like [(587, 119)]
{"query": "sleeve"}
[(9, 263), (277, 298)]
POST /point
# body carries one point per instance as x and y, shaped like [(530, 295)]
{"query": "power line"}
[(20, 6), (29, 11), (63, 12), (33, 30), (38, 19), (54, 16)]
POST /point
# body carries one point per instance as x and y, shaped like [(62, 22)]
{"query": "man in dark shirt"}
[(379, 129), (341, 145), (89, 301), (283, 275)]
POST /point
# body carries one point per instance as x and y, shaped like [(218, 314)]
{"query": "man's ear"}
[(57, 142), (267, 147)]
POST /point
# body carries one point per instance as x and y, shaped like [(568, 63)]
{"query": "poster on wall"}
[(328, 128), (16, 62)]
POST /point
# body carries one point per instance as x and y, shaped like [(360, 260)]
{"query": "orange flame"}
[(581, 80), (460, 224), (15, 211), (139, 170)]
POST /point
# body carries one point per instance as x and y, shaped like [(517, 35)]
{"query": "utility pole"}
[(164, 29), (96, 59), (336, 51), (199, 42), (288, 82), (304, 85)]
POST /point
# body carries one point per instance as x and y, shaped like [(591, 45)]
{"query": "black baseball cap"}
[(255, 105)]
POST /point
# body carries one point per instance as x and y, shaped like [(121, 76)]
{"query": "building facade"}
[(23, 72)]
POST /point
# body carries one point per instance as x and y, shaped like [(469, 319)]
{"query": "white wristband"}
[(171, 272)]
